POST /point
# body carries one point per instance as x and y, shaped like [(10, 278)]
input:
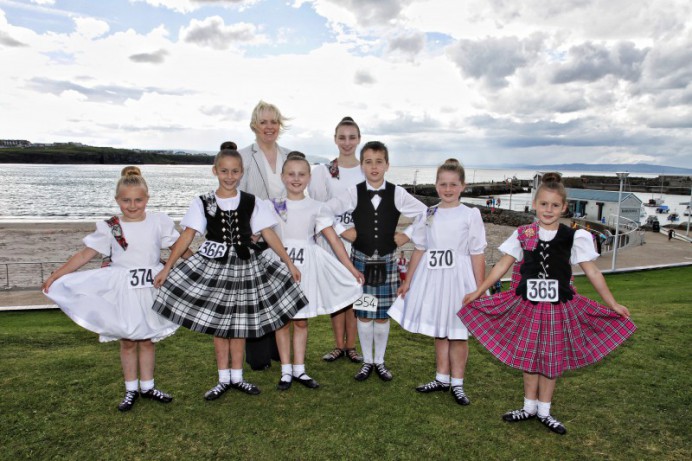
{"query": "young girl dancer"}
[(228, 288), (329, 181), (115, 301), (328, 284), (376, 206), (544, 327), (447, 264)]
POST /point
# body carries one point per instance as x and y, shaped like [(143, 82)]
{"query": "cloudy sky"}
[(488, 81)]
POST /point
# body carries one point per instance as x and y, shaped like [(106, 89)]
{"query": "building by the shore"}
[(602, 205)]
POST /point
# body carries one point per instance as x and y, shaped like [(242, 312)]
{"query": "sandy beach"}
[(30, 251)]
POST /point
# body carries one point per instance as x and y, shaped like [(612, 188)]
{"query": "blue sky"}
[(487, 81)]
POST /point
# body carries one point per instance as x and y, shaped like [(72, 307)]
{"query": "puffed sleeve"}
[(582, 247), (324, 219), (263, 216), (167, 231), (408, 206), (346, 201), (194, 217), (419, 234), (318, 188), (100, 240), (512, 247), (477, 242)]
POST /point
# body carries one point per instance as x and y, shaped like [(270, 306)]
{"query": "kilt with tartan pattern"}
[(545, 338), (230, 297), (386, 292)]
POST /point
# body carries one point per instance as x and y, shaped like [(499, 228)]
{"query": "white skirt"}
[(100, 301), (327, 284), (433, 300)]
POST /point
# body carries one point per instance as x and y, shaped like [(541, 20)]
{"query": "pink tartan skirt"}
[(545, 338)]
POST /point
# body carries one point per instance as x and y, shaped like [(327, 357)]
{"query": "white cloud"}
[(90, 28), (213, 32), (187, 6)]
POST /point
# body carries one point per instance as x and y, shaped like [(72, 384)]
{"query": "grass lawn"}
[(60, 389)]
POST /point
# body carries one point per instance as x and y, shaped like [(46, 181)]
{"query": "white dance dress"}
[(115, 301), (327, 284), (444, 274)]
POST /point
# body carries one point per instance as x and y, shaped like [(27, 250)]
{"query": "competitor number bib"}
[(213, 250), (345, 218), (297, 254), (440, 259), (141, 278), (366, 303), (541, 290)]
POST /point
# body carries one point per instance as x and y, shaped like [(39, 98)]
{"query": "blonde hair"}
[(131, 176), (453, 165), (263, 106), (553, 182), (295, 156)]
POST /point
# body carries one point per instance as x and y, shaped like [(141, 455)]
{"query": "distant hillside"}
[(90, 155), (607, 167), (79, 154)]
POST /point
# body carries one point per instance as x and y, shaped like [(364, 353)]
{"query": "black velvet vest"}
[(230, 227), (550, 260), (375, 228)]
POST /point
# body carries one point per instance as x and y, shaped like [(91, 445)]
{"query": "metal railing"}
[(32, 274)]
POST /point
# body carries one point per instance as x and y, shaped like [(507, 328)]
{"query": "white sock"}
[(132, 385), (286, 372), (457, 382), (146, 385), (236, 375), (543, 409), (530, 406), (366, 334), (225, 376), (298, 370), (444, 379), (381, 338)]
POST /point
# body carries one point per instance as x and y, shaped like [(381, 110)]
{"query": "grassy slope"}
[(60, 388)]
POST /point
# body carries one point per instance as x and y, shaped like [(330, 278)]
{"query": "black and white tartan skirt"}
[(230, 297), (386, 292)]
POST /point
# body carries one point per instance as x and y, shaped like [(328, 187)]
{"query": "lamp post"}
[(621, 176), (689, 212)]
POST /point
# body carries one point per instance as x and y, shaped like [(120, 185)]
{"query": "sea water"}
[(33, 192)]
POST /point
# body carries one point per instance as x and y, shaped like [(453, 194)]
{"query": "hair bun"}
[(452, 162), (295, 155), (347, 118), (131, 171), (228, 145), (552, 177)]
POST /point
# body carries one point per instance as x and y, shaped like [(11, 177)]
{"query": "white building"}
[(597, 205), (594, 205)]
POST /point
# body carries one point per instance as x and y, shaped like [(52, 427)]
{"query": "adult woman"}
[(328, 181), (263, 160)]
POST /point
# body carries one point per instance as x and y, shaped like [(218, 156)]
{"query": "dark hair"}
[(228, 145), (453, 165), (228, 149), (376, 146), (553, 182), (131, 176), (295, 156), (347, 121)]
